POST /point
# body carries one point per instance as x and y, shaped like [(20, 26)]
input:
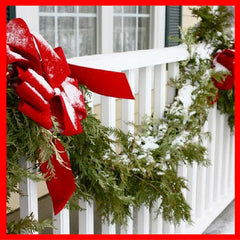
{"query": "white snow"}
[(73, 93), (70, 109), (41, 81)]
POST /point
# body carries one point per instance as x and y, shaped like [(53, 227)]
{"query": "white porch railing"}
[(211, 189)]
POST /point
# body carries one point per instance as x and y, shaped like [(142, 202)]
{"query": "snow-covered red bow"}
[(48, 87), (224, 60)]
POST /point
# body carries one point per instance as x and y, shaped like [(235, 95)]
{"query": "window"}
[(88, 30), (131, 28), (74, 28)]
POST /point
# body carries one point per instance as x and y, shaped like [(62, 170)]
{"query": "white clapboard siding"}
[(211, 189)]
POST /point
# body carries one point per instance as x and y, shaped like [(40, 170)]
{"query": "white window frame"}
[(104, 25)]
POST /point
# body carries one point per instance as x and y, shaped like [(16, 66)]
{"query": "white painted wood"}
[(218, 156), (192, 185), (211, 153), (168, 228), (173, 71), (156, 222), (128, 114), (201, 182), (108, 117), (86, 218), (108, 228), (133, 59), (231, 177), (145, 82), (105, 31), (62, 222), (29, 197), (143, 220), (128, 106), (158, 27), (159, 90), (225, 160), (129, 228), (182, 172)]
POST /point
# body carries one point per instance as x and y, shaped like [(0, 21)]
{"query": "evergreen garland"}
[(143, 166)]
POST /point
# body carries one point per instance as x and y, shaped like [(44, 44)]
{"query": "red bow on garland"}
[(48, 87), (225, 61)]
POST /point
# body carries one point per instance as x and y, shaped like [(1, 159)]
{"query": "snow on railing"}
[(211, 189)]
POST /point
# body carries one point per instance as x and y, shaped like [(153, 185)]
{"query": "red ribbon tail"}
[(108, 83), (62, 185)]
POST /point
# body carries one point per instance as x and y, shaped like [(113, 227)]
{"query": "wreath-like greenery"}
[(145, 167)]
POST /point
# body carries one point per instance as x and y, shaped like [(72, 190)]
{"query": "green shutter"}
[(173, 21), (11, 12)]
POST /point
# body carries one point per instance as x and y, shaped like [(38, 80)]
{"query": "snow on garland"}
[(145, 167)]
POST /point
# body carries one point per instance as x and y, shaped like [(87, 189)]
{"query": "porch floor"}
[(224, 223)]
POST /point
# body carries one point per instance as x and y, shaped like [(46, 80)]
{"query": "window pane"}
[(129, 34), (87, 36), (87, 9), (117, 9), (67, 35), (130, 9), (143, 33), (117, 35), (66, 9), (144, 9), (46, 8), (46, 27)]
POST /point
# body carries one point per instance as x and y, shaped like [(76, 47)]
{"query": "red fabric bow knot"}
[(45, 90), (49, 87), (226, 58)]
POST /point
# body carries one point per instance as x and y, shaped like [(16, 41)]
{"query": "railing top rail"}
[(133, 59)]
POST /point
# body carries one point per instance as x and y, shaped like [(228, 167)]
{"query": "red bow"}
[(48, 87), (224, 59)]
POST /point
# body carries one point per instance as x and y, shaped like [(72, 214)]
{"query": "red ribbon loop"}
[(226, 58), (46, 89)]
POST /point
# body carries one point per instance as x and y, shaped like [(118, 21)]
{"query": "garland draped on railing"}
[(145, 167)]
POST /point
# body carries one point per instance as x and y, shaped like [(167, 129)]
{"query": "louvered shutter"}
[(11, 12), (173, 21)]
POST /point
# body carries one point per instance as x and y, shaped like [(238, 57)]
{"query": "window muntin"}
[(131, 28), (74, 28)]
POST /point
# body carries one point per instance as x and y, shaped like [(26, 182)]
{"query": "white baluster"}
[(156, 224), (159, 90), (218, 156), (211, 152), (29, 197), (128, 114), (62, 222), (128, 109), (173, 71), (109, 120), (86, 218), (145, 82), (201, 182), (225, 160)]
